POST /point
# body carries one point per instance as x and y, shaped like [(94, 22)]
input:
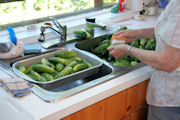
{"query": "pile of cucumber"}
[(101, 50), (147, 44), (62, 64)]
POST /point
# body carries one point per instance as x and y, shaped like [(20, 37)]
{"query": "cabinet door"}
[(129, 104)]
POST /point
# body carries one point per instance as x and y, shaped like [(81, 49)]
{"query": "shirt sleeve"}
[(172, 36)]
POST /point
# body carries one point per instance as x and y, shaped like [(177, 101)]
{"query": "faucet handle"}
[(56, 23)]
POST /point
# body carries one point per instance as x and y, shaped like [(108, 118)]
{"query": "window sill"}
[(29, 34)]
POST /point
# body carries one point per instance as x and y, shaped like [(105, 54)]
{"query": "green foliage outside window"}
[(106, 2), (13, 12)]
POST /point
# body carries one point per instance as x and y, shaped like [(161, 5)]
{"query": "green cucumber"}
[(42, 68), (30, 68), (22, 68), (95, 25), (60, 60), (82, 34), (64, 72), (134, 63), (143, 41), (66, 54), (72, 64), (87, 63), (54, 73), (29, 75), (37, 76), (104, 41), (47, 76), (59, 66), (44, 61), (101, 49), (134, 43), (79, 67), (52, 65), (76, 58)]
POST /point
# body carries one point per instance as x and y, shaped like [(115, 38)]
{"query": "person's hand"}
[(119, 51), (130, 35)]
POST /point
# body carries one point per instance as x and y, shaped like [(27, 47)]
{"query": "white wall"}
[(137, 5)]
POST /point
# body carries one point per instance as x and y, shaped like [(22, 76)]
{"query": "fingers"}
[(110, 48), (113, 50), (118, 51), (120, 35)]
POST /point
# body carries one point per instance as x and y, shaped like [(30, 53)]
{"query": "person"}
[(163, 92)]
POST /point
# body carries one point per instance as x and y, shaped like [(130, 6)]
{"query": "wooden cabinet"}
[(129, 104)]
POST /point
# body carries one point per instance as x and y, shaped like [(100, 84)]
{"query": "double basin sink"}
[(58, 92)]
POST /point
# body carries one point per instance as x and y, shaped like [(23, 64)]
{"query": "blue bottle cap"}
[(12, 35)]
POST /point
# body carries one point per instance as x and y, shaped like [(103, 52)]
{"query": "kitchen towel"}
[(18, 87)]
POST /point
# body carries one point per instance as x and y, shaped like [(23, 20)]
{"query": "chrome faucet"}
[(61, 31)]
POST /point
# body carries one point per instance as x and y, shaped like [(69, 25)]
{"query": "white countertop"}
[(33, 108)]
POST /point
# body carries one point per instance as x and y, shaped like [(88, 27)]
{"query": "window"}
[(25, 12), (4, 1), (109, 2)]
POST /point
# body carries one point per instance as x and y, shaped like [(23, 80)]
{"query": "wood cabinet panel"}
[(126, 105)]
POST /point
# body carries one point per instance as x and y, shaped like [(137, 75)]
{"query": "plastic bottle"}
[(122, 5)]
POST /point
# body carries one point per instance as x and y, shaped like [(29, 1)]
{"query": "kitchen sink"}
[(58, 92), (89, 45)]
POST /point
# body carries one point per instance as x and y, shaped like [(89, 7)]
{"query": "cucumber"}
[(87, 63), (60, 60), (79, 67), (37, 76), (134, 43), (104, 41), (29, 75), (64, 72), (133, 63), (44, 61), (82, 34), (47, 76), (72, 64), (143, 41), (59, 67), (30, 68), (52, 65), (54, 73), (22, 68), (57, 60), (95, 25), (76, 58), (90, 31), (101, 49), (148, 45), (43, 68), (66, 54), (68, 61), (122, 63)]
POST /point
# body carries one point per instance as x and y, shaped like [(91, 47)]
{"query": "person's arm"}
[(132, 35), (166, 60)]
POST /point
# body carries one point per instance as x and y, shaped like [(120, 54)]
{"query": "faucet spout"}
[(61, 31)]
